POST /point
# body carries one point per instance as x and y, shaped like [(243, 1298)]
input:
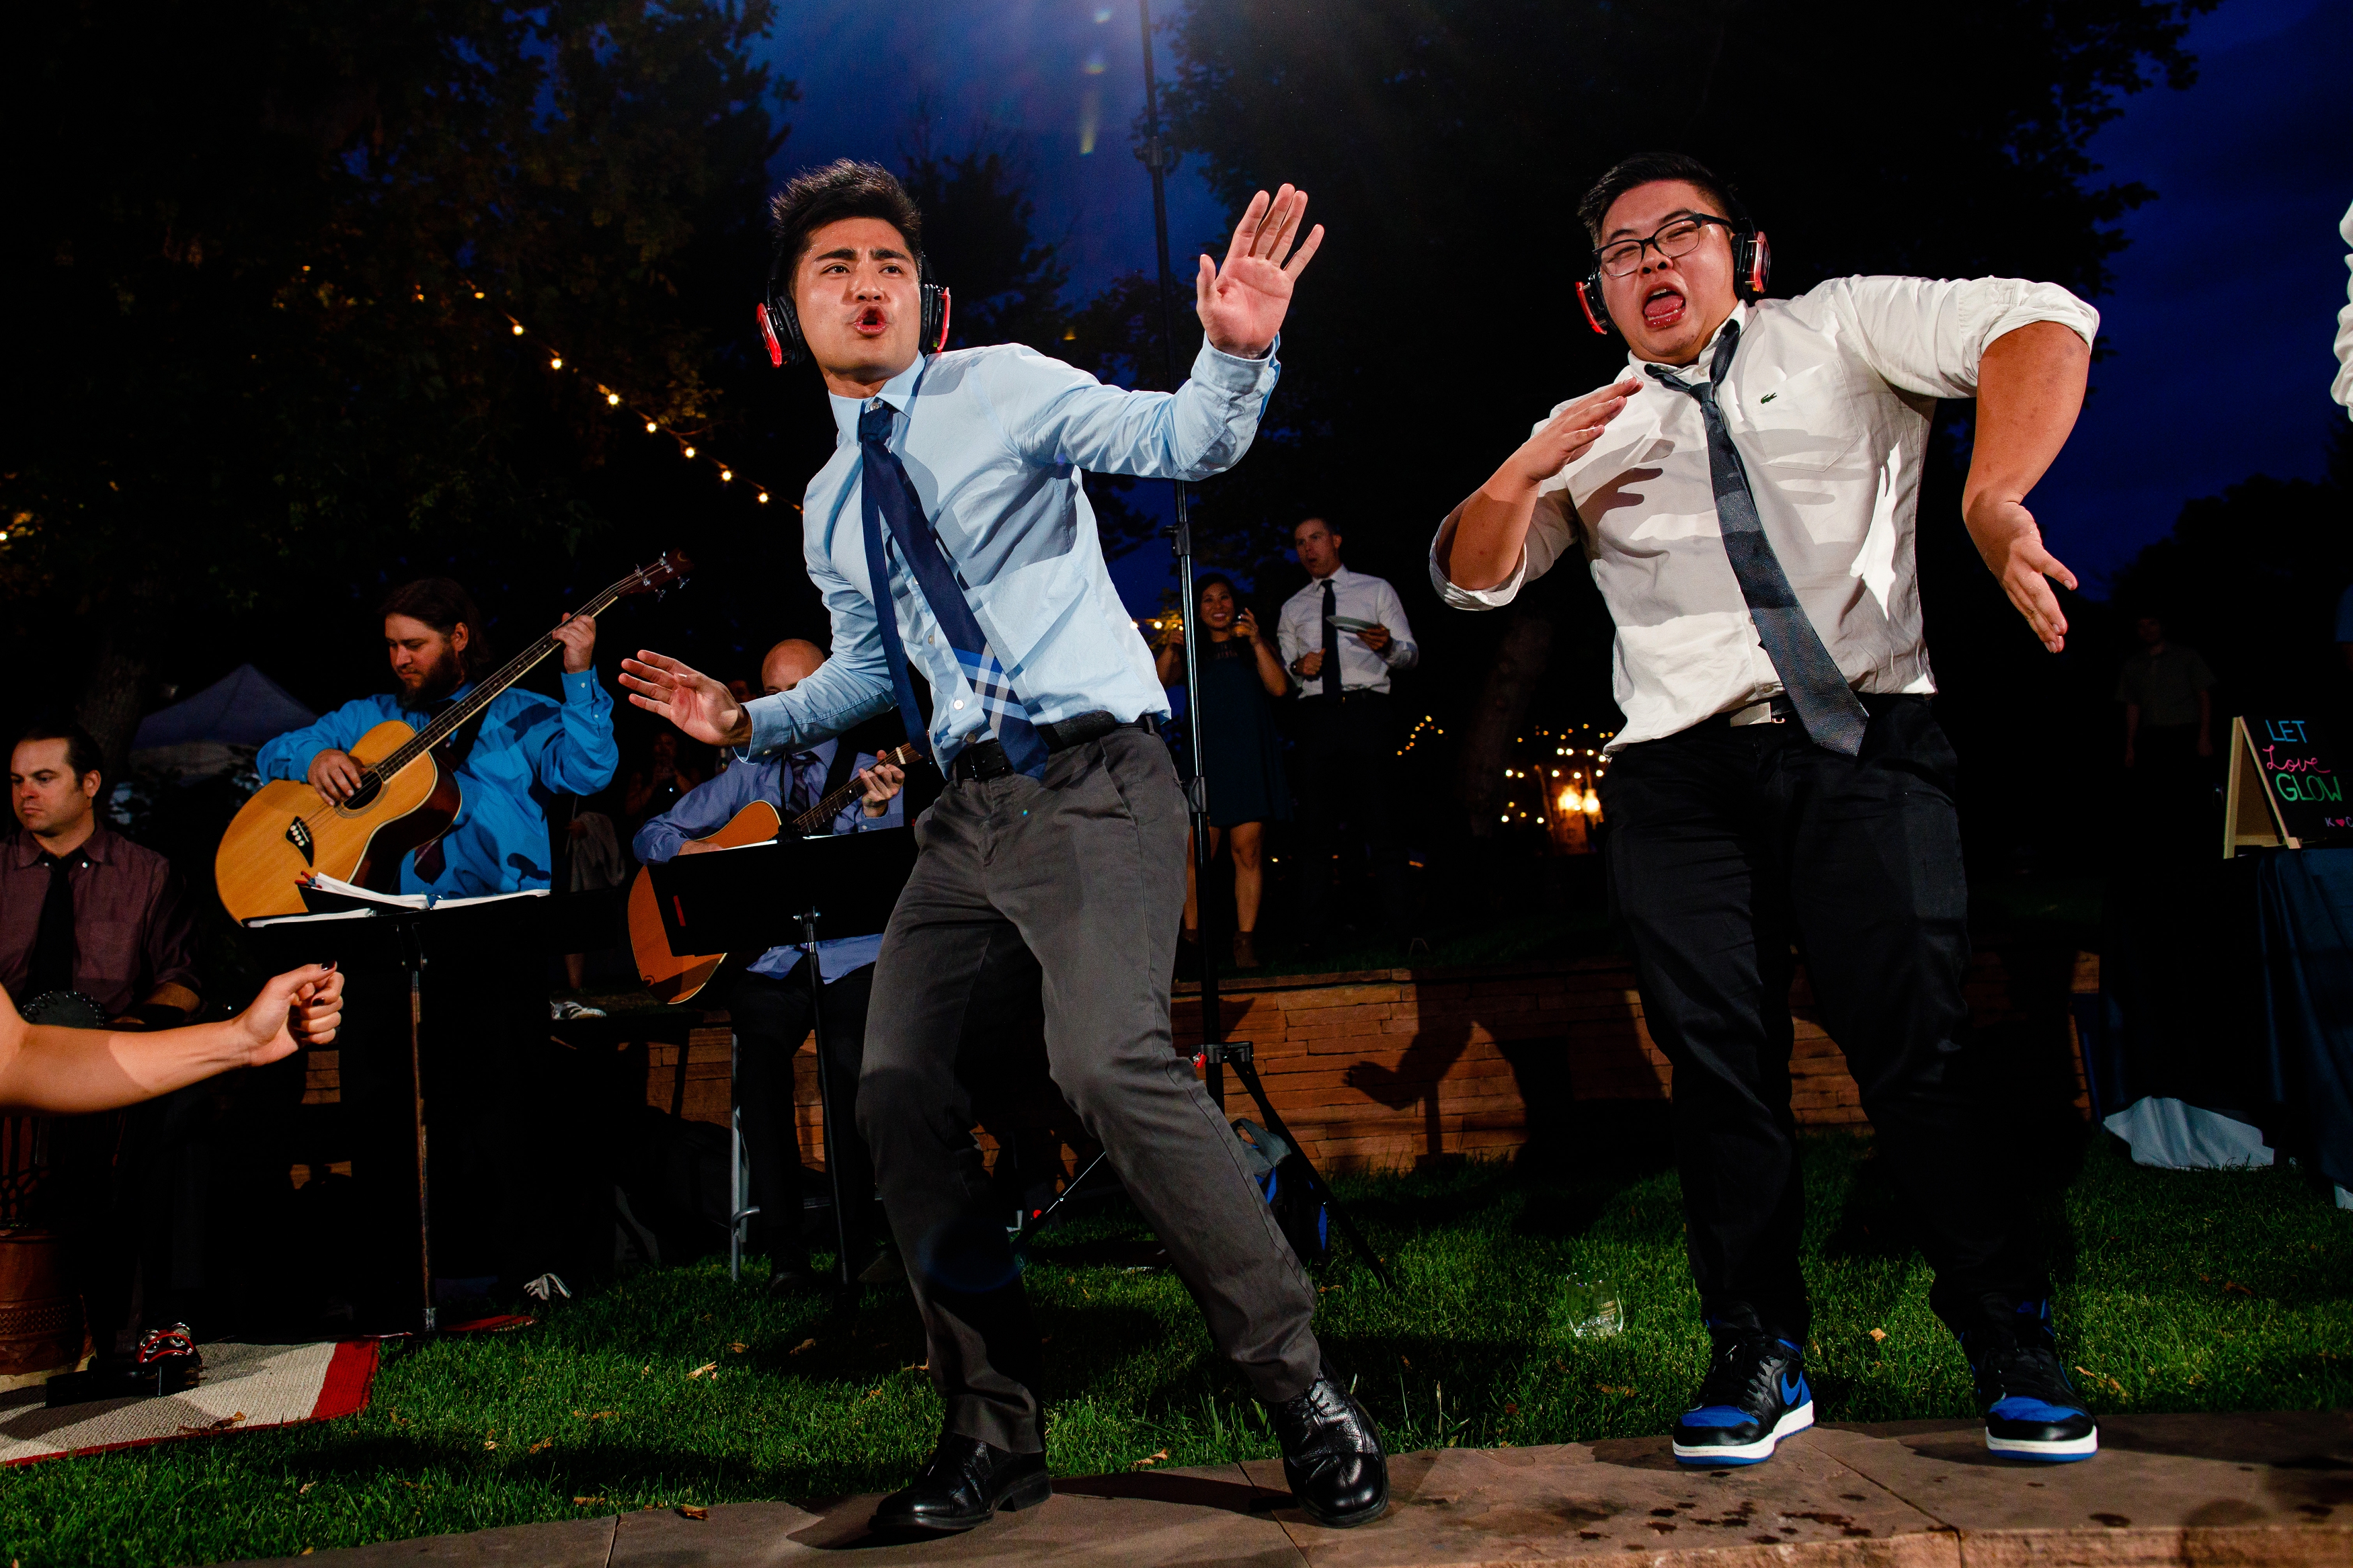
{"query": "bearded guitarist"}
[(768, 999), (523, 746), (480, 1072)]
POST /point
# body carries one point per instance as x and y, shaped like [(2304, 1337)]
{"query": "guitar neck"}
[(817, 817), (487, 689)]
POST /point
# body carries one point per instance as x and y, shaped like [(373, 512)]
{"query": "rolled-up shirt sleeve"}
[(1927, 335), (1552, 533), (1055, 413), (2342, 389)]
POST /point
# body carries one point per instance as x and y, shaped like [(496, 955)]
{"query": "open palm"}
[(1241, 304)]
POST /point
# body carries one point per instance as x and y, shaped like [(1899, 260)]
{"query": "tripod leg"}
[(734, 1166), (1247, 1070), (825, 1118)]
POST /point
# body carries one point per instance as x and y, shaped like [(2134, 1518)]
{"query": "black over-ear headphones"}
[(780, 324), (1752, 265)]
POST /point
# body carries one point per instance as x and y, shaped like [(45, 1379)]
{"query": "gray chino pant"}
[(1086, 869)]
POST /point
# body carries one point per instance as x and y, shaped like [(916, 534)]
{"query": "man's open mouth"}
[(871, 322), (1662, 307)]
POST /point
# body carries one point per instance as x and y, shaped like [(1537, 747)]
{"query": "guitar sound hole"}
[(366, 794)]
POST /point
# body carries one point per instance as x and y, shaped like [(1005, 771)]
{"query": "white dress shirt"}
[(2343, 389), (1363, 596), (1828, 400)]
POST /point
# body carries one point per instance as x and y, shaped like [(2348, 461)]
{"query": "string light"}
[(613, 400)]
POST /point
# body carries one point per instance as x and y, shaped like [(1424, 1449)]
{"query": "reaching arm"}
[(289, 755), (2029, 389), (699, 813), (1479, 544), (71, 1071)]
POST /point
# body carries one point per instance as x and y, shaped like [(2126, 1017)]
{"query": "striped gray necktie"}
[(1833, 716)]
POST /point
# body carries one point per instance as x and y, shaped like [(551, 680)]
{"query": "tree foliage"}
[(275, 246), (1445, 143)]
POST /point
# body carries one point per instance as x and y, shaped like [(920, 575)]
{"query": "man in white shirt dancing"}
[(1745, 497)]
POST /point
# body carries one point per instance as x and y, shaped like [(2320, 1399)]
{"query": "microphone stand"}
[(1160, 159)]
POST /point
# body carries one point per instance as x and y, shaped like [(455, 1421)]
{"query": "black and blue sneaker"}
[(2031, 1411), (1754, 1395)]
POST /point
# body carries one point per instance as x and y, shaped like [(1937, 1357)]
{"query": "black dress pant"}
[(1347, 771), (1728, 846), (772, 1018), (1084, 869)]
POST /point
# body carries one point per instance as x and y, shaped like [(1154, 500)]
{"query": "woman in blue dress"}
[(1240, 676)]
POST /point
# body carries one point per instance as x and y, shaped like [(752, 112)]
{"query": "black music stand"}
[(408, 927), (766, 895)]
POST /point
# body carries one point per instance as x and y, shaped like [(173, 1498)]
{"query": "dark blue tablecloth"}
[(2229, 986), (2304, 927)]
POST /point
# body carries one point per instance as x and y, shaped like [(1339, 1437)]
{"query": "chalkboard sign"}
[(2286, 786)]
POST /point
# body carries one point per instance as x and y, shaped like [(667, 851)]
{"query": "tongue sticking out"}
[(1662, 309)]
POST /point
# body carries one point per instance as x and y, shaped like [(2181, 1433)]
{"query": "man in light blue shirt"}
[(768, 1001), (956, 498)]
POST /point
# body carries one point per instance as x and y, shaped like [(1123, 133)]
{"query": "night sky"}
[(2217, 334)]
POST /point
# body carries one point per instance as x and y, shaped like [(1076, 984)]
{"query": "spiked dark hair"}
[(843, 188), (1647, 168)]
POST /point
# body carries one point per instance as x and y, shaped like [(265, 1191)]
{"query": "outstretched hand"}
[(1241, 304), (2012, 547), (301, 1006), (689, 698)]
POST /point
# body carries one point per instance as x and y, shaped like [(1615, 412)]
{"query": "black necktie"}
[(1331, 642), (53, 940), (1825, 704)]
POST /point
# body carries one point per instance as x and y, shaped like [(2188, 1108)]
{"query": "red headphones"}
[(1752, 264), (780, 325)]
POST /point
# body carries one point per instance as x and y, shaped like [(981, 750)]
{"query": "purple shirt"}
[(133, 927)]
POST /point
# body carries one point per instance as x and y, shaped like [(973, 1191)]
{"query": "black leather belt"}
[(986, 759)]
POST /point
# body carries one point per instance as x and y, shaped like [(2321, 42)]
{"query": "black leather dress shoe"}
[(1331, 1456), (966, 1481)]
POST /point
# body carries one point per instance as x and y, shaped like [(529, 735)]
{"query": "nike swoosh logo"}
[(1793, 1393)]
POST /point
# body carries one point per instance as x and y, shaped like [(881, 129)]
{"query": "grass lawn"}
[(2182, 1292)]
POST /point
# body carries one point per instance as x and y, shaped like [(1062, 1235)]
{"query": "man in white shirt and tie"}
[(1744, 497), (1342, 637)]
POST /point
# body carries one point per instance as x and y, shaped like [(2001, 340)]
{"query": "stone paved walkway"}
[(2248, 1491)]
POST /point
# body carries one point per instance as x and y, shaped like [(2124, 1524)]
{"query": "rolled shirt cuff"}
[(1462, 598)]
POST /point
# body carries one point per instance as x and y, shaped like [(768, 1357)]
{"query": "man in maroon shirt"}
[(82, 908)]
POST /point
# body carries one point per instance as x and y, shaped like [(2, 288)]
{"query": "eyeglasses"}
[(1677, 236)]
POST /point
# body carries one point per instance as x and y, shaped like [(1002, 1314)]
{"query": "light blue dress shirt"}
[(997, 442), (711, 804), (528, 748)]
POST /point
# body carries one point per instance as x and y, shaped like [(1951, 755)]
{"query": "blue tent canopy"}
[(244, 708)]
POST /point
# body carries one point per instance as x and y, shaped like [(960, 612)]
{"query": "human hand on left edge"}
[(1241, 304)]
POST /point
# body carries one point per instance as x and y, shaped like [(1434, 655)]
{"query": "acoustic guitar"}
[(407, 798), (675, 978)]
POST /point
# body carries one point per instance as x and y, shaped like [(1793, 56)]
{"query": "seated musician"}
[(770, 999), (82, 908), (483, 1064), (522, 745)]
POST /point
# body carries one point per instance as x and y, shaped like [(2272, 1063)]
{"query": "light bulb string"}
[(687, 441)]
